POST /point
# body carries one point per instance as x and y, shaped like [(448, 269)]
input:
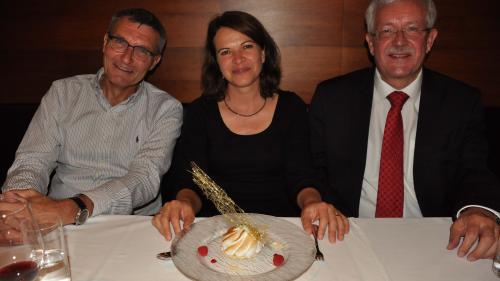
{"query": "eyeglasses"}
[(121, 45), (408, 32)]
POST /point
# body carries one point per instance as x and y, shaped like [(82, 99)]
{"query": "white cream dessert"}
[(241, 242)]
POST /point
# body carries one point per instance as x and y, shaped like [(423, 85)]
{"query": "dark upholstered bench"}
[(15, 118)]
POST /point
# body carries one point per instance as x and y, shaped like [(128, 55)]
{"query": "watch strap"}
[(79, 202), (83, 213)]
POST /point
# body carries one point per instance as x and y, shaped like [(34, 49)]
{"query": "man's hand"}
[(475, 224), (25, 193), (314, 209), (40, 203)]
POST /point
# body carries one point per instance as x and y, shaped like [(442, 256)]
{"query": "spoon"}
[(164, 256), (168, 255)]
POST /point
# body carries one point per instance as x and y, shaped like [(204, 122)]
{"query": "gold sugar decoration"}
[(224, 204)]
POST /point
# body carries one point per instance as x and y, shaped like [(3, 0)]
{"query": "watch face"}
[(82, 217)]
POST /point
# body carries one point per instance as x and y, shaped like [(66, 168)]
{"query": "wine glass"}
[(20, 240)]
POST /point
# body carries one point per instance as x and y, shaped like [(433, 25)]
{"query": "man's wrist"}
[(480, 209), (88, 203), (69, 211), (83, 213)]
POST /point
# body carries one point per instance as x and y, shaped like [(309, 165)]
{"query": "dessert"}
[(241, 242)]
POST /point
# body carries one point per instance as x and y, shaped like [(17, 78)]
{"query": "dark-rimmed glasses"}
[(121, 45)]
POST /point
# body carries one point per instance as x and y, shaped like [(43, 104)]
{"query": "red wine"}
[(19, 271)]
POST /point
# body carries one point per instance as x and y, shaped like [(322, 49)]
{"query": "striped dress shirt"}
[(115, 155)]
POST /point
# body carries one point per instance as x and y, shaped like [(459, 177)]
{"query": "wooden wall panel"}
[(467, 45), (47, 40), (304, 67), (297, 22)]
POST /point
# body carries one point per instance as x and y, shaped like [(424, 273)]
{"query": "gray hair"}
[(375, 5)]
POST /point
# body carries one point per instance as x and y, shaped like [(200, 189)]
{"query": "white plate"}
[(284, 238)]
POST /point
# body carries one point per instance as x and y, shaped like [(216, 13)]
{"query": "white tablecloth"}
[(110, 248)]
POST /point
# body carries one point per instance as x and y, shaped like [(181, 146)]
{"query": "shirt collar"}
[(383, 89)]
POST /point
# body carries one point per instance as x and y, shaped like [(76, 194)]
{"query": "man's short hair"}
[(375, 5), (141, 16)]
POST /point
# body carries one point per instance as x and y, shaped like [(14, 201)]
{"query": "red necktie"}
[(390, 180)]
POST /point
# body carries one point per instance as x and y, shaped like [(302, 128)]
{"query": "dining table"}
[(124, 247)]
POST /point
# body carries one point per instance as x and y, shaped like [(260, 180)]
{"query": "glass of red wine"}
[(20, 241)]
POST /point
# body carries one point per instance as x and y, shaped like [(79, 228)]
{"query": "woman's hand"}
[(171, 214), (183, 208), (314, 209)]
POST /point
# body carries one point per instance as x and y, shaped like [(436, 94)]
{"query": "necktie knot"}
[(397, 99)]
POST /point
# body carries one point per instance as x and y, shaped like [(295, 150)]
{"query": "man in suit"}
[(399, 140)]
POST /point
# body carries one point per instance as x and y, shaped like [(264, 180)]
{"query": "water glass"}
[(55, 262)]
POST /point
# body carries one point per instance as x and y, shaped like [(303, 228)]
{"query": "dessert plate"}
[(282, 237)]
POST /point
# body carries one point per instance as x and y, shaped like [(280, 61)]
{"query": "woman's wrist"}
[(308, 196), (189, 196)]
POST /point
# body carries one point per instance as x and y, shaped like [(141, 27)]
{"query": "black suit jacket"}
[(450, 148)]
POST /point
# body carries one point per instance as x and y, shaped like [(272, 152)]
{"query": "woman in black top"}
[(249, 136)]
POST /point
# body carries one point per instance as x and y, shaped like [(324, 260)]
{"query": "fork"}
[(319, 255)]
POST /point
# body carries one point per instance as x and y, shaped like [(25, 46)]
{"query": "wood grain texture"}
[(47, 40)]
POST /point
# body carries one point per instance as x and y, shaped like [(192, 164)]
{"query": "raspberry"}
[(213, 260), (203, 251), (278, 259)]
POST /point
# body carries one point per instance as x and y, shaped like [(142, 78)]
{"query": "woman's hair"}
[(213, 82)]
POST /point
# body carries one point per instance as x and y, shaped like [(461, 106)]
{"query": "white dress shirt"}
[(380, 108)]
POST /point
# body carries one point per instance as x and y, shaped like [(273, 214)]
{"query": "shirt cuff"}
[(6, 188), (479, 206)]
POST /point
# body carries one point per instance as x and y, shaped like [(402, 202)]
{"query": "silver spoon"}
[(164, 256), (168, 255)]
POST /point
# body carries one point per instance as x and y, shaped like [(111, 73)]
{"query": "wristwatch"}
[(83, 212)]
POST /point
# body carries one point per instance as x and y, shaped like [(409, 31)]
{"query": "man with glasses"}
[(109, 136), (399, 140)]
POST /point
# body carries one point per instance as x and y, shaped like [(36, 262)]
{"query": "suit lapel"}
[(430, 107), (360, 118), (361, 114)]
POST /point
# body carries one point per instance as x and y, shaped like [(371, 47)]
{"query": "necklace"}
[(245, 115)]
